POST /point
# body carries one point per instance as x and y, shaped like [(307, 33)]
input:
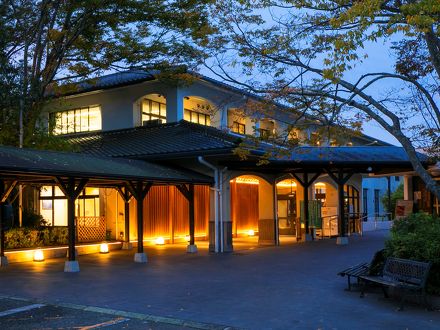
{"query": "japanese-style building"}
[(165, 161)]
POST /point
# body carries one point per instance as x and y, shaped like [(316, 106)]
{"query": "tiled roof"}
[(51, 163), (167, 139), (352, 155), (112, 80)]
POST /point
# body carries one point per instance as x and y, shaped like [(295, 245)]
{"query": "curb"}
[(133, 315)]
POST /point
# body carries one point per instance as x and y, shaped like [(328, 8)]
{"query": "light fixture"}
[(159, 241), (187, 238), (251, 232), (369, 169), (103, 248), (38, 255)]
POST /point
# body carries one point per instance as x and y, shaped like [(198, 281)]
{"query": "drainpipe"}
[(222, 248), (216, 189)]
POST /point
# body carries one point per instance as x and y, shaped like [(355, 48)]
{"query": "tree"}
[(49, 43), (306, 54), (395, 196)]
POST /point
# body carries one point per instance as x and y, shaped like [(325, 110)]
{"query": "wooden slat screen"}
[(166, 212), (244, 207)]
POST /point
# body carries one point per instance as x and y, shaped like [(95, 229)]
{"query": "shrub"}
[(30, 238), (417, 237)]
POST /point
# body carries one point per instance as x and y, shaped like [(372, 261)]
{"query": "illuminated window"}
[(77, 120), (266, 129), (264, 133), (152, 110), (53, 205), (238, 128), (197, 117)]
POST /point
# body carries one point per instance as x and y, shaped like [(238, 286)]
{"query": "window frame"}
[(150, 115), (199, 115), (75, 115)]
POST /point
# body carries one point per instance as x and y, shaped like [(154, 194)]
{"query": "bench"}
[(355, 271), (408, 276), (361, 269)]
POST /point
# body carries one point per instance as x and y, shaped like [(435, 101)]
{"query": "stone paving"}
[(291, 286)]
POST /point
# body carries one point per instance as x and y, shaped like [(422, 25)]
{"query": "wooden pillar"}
[(341, 208), (4, 195), (71, 189), (126, 195), (188, 193), (127, 221), (191, 215), (139, 190), (341, 179), (71, 227), (140, 225), (306, 200), (305, 182)]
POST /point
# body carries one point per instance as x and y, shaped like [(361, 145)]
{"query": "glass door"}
[(287, 220)]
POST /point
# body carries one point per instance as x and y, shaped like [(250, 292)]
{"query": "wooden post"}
[(340, 179), (4, 195), (139, 190), (124, 192), (341, 207), (306, 200), (188, 193), (140, 225), (71, 190), (191, 215), (305, 182), (71, 227), (127, 221)]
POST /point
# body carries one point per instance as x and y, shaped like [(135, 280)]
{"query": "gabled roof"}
[(187, 140), (176, 139), (50, 163)]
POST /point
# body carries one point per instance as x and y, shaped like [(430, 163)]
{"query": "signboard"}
[(403, 208)]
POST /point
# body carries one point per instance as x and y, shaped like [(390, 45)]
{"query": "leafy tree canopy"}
[(46, 44), (312, 55)]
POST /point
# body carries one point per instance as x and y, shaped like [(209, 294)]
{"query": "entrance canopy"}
[(360, 159), (42, 166)]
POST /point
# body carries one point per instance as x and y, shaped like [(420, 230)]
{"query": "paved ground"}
[(23, 315), (292, 286)]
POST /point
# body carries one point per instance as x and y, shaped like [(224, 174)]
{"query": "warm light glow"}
[(159, 241), (38, 255), (187, 238), (319, 185), (103, 248), (251, 232), (247, 180), (286, 183)]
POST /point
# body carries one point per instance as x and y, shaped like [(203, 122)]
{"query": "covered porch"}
[(71, 173)]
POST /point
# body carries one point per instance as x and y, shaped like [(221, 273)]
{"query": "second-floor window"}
[(84, 119), (197, 117), (238, 128), (152, 110), (264, 133)]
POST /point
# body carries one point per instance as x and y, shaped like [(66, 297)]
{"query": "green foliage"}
[(31, 238), (417, 237), (45, 45), (32, 220), (396, 195)]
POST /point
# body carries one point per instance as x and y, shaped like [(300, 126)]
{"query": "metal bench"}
[(355, 271), (408, 276), (364, 268)]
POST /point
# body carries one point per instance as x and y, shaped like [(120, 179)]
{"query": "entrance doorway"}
[(287, 220)]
